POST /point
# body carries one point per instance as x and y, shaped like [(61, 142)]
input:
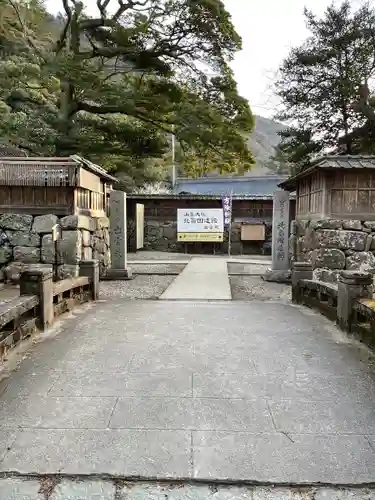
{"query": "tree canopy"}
[(321, 82), (115, 85)]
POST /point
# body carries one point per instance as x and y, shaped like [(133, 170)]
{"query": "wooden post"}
[(39, 282)]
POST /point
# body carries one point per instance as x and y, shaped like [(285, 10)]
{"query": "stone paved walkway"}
[(202, 279), (260, 391)]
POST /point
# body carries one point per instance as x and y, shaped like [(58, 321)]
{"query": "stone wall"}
[(334, 245), (161, 235), (25, 240)]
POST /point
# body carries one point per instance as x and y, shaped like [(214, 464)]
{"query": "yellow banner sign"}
[(202, 237)]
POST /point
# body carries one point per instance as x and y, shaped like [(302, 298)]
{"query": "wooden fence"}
[(349, 303), (41, 301)]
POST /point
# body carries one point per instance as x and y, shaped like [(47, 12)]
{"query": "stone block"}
[(5, 253), (86, 238), (78, 222), (354, 225), (361, 261), (16, 222), (66, 271), (370, 224), (369, 242), (3, 238), (106, 237), (102, 222), (13, 272), (331, 258), (153, 230), (70, 247), (310, 239), (47, 253), (326, 224), (87, 253), (43, 224), (326, 275), (26, 254), (327, 238), (301, 226), (352, 240), (106, 261), (23, 238), (170, 232), (99, 245)]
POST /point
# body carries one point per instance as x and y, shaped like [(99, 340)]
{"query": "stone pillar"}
[(351, 285), (39, 282), (301, 271), (90, 268), (118, 237), (280, 238)]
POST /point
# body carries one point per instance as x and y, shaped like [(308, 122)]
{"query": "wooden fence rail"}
[(41, 301), (350, 303)]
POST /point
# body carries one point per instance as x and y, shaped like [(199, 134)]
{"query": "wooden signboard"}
[(140, 224), (253, 232)]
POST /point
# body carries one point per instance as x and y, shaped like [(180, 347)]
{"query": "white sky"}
[(269, 28)]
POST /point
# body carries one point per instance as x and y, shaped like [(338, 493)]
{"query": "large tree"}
[(320, 80), (133, 74)]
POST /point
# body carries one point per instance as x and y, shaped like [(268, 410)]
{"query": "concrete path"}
[(260, 391), (202, 279)]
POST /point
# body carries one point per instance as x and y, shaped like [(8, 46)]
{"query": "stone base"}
[(278, 276), (117, 274)]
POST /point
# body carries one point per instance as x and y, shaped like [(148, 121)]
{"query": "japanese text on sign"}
[(200, 222), (227, 209)]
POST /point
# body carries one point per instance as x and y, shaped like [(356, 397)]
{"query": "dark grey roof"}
[(331, 162), (96, 169), (257, 187), (187, 196), (6, 150), (348, 161)]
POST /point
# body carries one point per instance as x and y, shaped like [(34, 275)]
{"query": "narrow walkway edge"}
[(202, 279)]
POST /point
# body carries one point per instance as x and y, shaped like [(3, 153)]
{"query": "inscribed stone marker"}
[(118, 236), (280, 231)]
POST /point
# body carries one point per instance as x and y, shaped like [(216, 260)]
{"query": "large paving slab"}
[(56, 488), (192, 390), (202, 279)]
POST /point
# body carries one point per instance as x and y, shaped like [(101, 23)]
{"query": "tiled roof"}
[(331, 162), (6, 150), (346, 162), (261, 187)]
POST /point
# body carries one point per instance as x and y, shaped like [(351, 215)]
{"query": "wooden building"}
[(335, 187), (250, 214), (62, 186)]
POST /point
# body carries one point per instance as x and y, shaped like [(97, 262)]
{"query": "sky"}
[(268, 28)]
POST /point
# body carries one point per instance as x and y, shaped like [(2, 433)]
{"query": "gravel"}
[(141, 287), (254, 288), (157, 268), (250, 269), (151, 255)]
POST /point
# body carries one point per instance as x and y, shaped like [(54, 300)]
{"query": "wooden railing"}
[(319, 295), (18, 320), (41, 301), (350, 303)]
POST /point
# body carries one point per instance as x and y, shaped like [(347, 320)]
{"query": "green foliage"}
[(320, 80), (112, 87)]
